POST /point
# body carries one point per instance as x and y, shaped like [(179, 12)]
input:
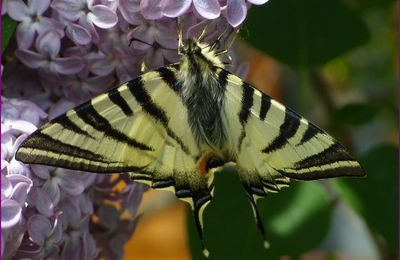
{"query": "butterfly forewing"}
[(272, 141)]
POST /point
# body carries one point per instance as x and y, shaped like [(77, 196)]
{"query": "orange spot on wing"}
[(202, 163)]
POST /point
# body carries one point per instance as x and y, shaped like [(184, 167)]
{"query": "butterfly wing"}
[(140, 127), (273, 144)]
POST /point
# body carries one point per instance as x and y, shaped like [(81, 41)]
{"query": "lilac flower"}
[(30, 18), (209, 9), (14, 191), (81, 87), (87, 13), (151, 9), (46, 235), (130, 11), (46, 59)]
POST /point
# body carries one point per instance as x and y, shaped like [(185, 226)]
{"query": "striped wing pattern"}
[(139, 127), (142, 127)]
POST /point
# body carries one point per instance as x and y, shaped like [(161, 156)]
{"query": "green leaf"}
[(305, 33), (377, 193), (7, 29), (296, 221), (355, 114)]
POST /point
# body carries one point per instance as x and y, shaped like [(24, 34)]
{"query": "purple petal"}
[(70, 183), (44, 204), (258, 2), (89, 246), (130, 5), (86, 204), (48, 43), (41, 171), (57, 231), (20, 193), (39, 6), (17, 10), (68, 66), (87, 23), (31, 59), (101, 66), (59, 108), (236, 12), (25, 35), (38, 229), (72, 248), (46, 24), (78, 34), (10, 213), (166, 36), (99, 84), (130, 12), (17, 178), (51, 188), (71, 212), (17, 167), (6, 187), (33, 114), (18, 142), (134, 198), (209, 9), (151, 9), (23, 126), (69, 9), (103, 17), (175, 8)]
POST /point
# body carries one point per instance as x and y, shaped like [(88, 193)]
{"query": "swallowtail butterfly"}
[(174, 127)]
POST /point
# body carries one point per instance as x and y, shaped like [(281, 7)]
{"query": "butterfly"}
[(175, 127)]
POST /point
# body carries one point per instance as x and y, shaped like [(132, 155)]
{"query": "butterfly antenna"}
[(203, 32), (154, 45), (234, 32), (180, 34)]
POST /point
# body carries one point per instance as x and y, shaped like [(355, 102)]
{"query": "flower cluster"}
[(81, 48), (64, 53), (48, 211)]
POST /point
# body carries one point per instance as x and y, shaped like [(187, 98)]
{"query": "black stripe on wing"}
[(265, 105), (343, 171), (334, 161), (287, 130), (244, 113), (168, 76), (44, 142), (67, 123), (40, 142), (136, 87), (312, 131), (91, 117), (115, 96)]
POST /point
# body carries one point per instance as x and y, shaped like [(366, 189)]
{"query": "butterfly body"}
[(174, 127)]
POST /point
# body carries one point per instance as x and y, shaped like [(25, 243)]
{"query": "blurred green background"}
[(340, 68)]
